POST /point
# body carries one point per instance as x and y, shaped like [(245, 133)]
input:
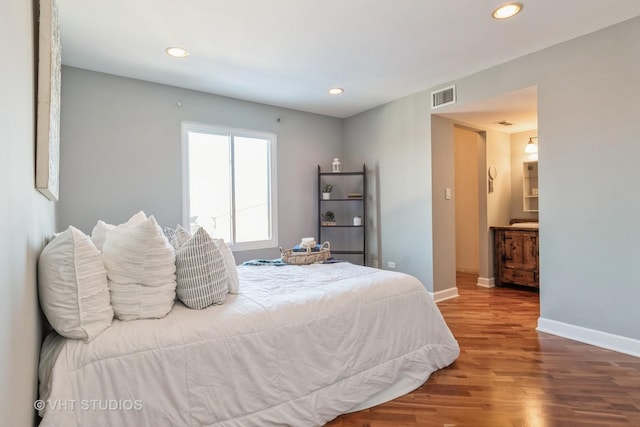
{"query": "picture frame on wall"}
[(48, 101)]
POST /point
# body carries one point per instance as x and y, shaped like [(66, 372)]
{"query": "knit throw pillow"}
[(200, 272)]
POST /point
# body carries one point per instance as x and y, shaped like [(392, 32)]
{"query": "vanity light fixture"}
[(531, 147), (177, 52), (336, 91), (507, 10)]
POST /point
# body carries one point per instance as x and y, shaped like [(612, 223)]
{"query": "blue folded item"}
[(298, 248), (277, 262)]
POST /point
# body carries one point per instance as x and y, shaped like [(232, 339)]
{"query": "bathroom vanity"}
[(516, 254)]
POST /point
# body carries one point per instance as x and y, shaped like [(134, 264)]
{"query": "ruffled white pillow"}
[(99, 233), (72, 284), (200, 272), (101, 229), (141, 270)]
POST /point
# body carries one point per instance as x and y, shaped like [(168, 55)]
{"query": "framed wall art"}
[(48, 104)]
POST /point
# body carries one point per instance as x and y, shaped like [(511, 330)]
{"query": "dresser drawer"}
[(520, 277)]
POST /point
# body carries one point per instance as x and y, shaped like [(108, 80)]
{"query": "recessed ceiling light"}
[(177, 52), (507, 10), (336, 90)]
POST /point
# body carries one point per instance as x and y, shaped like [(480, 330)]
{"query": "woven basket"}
[(308, 257)]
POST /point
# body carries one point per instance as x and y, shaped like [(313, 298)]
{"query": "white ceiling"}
[(287, 53), (518, 108)]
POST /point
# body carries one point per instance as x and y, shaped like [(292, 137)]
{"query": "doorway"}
[(481, 127)]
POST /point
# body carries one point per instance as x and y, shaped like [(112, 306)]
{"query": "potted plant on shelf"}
[(328, 218), (326, 191)]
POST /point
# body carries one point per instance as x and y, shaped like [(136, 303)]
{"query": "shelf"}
[(339, 173), (530, 186), (347, 236)]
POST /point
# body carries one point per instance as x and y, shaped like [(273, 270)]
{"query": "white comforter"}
[(298, 346)]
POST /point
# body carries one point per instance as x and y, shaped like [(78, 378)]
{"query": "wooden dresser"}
[(516, 256)]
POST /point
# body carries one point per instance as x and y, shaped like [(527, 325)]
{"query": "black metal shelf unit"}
[(352, 239)]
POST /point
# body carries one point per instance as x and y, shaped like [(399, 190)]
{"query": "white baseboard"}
[(444, 295), (486, 282), (590, 336)]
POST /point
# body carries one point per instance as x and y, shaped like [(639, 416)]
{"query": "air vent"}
[(442, 97)]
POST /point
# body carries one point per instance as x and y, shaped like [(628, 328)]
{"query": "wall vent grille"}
[(442, 97)]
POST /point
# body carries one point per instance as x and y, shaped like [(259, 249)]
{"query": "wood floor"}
[(510, 375)]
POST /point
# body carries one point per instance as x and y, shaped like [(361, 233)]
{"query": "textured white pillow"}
[(200, 272), (170, 234), (72, 284), (141, 269), (99, 233), (101, 229), (177, 237), (230, 263)]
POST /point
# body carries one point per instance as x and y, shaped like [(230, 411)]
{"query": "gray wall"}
[(393, 140), (588, 127), (121, 152), (588, 153), (26, 218)]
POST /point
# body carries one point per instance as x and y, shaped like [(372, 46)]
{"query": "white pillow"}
[(230, 263), (141, 269), (170, 234), (72, 284), (200, 272), (101, 229), (177, 237), (99, 233)]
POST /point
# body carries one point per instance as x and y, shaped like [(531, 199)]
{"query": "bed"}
[(299, 345)]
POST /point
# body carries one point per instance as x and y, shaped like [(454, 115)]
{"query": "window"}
[(229, 184)]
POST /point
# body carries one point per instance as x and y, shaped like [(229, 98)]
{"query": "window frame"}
[(232, 133)]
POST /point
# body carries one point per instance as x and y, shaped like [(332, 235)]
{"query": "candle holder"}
[(336, 165)]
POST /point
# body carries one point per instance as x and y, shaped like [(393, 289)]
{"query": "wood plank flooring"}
[(510, 375)]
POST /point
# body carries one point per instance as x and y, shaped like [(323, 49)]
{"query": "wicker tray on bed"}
[(309, 257)]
